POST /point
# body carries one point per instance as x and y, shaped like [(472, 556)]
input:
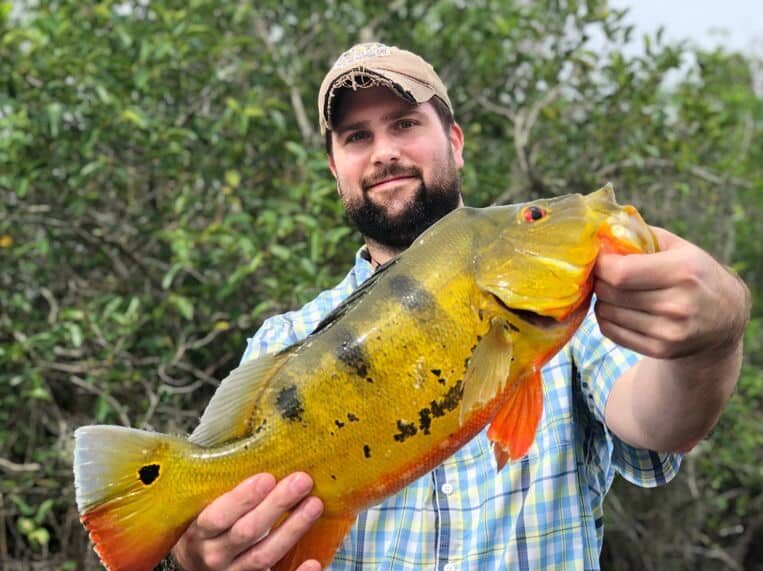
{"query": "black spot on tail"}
[(148, 474), (366, 451), (412, 295), (352, 353), (288, 403)]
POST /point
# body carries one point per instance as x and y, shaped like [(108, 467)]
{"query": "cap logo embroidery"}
[(361, 52)]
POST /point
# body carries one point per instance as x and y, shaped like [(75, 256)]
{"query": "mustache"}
[(389, 171)]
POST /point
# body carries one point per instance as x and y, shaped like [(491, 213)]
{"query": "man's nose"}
[(385, 150)]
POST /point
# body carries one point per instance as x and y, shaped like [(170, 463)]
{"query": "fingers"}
[(652, 335), (276, 545), (667, 302), (254, 526), (638, 271), (678, 261), (234, 531), (219, 516)]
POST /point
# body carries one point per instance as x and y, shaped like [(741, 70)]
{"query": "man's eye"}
[(356, 136), (406, 123)]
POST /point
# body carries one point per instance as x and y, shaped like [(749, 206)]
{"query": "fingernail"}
[(313, 508), (300, 484), (263, 483)]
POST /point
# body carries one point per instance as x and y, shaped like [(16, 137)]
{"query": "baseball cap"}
[(372, 64)]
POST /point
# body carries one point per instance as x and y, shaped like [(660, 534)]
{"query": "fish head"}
[(538, 257)]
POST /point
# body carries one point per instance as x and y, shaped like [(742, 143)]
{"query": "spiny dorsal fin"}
[(230, 414)]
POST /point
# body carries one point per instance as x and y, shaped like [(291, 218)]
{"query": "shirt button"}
[(447, 489), (449, 566)]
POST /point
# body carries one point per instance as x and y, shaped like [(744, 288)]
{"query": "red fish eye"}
[(533, 213)]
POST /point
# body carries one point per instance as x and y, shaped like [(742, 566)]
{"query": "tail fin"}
[(127, 490)]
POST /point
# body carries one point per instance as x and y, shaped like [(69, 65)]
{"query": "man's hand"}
[(234, 531), (686, 313), (676, 303)]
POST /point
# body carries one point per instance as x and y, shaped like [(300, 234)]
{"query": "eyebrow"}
[(340, 130)]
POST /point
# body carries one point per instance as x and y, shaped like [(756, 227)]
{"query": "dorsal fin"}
[(355, 296), (231, 412)]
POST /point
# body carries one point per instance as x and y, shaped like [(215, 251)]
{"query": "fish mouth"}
[(533, 318), (528, 316), (542, 321)]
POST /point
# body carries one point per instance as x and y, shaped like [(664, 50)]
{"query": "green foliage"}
[(164, 189)]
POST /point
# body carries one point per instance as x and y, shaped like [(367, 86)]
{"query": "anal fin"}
[(513, 428), (320, 542)]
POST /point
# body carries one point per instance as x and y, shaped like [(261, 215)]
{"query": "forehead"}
[(369, 103)]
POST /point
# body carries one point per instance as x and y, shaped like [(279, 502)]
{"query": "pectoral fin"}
[(512, 431), (320, 542), (489, 367)]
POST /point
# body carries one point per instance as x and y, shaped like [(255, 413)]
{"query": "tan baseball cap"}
[(372, 64)]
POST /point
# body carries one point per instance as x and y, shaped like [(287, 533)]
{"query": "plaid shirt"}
[(543, 512)]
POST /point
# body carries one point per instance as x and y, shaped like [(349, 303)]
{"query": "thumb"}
[(666, 239)]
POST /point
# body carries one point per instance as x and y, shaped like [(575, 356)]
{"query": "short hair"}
[(441, 108)]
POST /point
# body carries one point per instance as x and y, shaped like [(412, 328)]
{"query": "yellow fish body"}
[(449, 336)]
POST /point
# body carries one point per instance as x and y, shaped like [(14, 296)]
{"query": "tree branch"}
[(305, 125), (9, 466)]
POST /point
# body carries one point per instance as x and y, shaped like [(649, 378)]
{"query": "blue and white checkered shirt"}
[(543, 512)]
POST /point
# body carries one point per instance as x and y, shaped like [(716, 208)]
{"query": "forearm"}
[(669, 405)]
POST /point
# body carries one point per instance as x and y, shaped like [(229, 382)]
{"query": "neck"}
[(380, 253)]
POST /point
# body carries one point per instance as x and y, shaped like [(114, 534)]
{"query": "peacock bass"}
[(442, 340)]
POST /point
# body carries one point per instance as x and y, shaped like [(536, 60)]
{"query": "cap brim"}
[(404, 86)]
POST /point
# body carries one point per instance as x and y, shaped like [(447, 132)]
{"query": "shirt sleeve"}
[(282, 331), (600, 362)]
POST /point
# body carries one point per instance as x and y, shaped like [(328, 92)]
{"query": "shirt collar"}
[(363, 268)]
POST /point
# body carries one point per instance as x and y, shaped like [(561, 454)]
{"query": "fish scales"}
[(445, 339), (434, 316)]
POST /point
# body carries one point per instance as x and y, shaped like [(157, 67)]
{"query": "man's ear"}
[(332, 164), (456, 136)]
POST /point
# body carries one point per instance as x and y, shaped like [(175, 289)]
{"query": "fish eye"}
[(533, 213)]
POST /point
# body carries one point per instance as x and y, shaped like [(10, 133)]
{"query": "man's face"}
[(396, 169)]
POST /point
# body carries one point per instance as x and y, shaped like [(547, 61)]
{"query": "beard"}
[(429, 203)]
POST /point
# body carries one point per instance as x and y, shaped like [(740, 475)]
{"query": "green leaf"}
[(232, 178), (39, 536), (170, 275), (75, 334), (23, 507), (280, 252), (135, 117), (45, 507), (39, 393), (183, 305), (296, 149), (54, 111), (25, 525)]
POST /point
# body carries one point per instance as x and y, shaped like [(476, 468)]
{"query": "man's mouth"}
[(389, 182)]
